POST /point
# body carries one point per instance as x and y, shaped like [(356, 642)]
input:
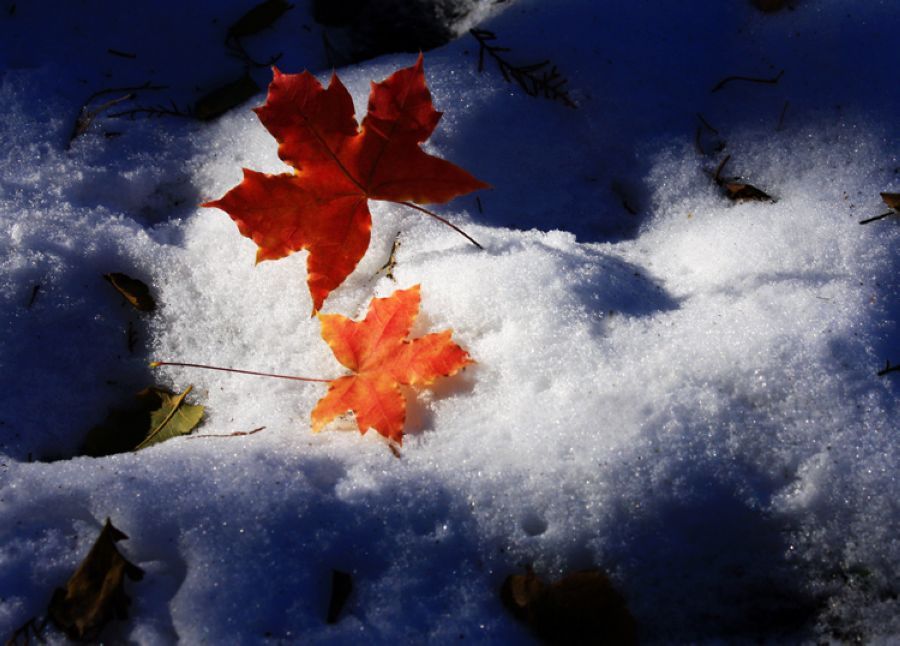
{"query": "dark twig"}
[(22, 635), (737, 190), (697, 143), (444, 220), (155, 111), (698, 136), (717, 178), (127, 88), (893, 203), (878, 217), (120, 54), (534, 79), (706, 124), (131, 337), (782, 116), (888, 368), (334, 58), (35, 290), (87, 116), (749, 79), (388, 267)]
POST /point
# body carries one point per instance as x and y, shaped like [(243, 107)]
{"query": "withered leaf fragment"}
[(581, 608), (258, 18), (892, 200), (737, 190), (341, 587), (96, 592), (156, 415), (135, 291), (222, 99)]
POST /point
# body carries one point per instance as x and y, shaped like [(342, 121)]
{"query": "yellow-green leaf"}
[(154, 416), (172, 419)]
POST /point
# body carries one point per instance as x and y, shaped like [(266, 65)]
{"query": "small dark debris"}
[(258, 18), (888, 368), (580, 608), (747, 79), (120, 53), (31, 629), (395, 450), (35, 290), (781, 117), (341, 587), (714, 142), (131, 337), (223, 99)]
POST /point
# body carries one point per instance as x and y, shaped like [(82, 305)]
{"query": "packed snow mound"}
[(685, 396)]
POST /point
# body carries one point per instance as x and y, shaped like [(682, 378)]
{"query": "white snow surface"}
[(686, 396)]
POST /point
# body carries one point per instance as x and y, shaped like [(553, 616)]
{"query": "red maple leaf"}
[(323, 206), (383, 359)]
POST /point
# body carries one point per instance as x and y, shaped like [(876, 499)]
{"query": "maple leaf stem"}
[(156, 364), (445, 221)]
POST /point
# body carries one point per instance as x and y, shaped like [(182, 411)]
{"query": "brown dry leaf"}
[(892, 200), (580, 608), (135, 291), (222, 99), (96, 592), (737, 190), (740, 192)]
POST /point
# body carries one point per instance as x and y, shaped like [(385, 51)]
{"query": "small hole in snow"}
[(533, 524)]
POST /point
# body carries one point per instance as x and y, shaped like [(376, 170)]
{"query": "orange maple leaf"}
[(383, 359), (323, 206)]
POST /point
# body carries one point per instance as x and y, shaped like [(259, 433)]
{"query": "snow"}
[(686, 397)]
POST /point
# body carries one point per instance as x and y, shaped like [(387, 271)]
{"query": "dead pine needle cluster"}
[(535, 79)]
